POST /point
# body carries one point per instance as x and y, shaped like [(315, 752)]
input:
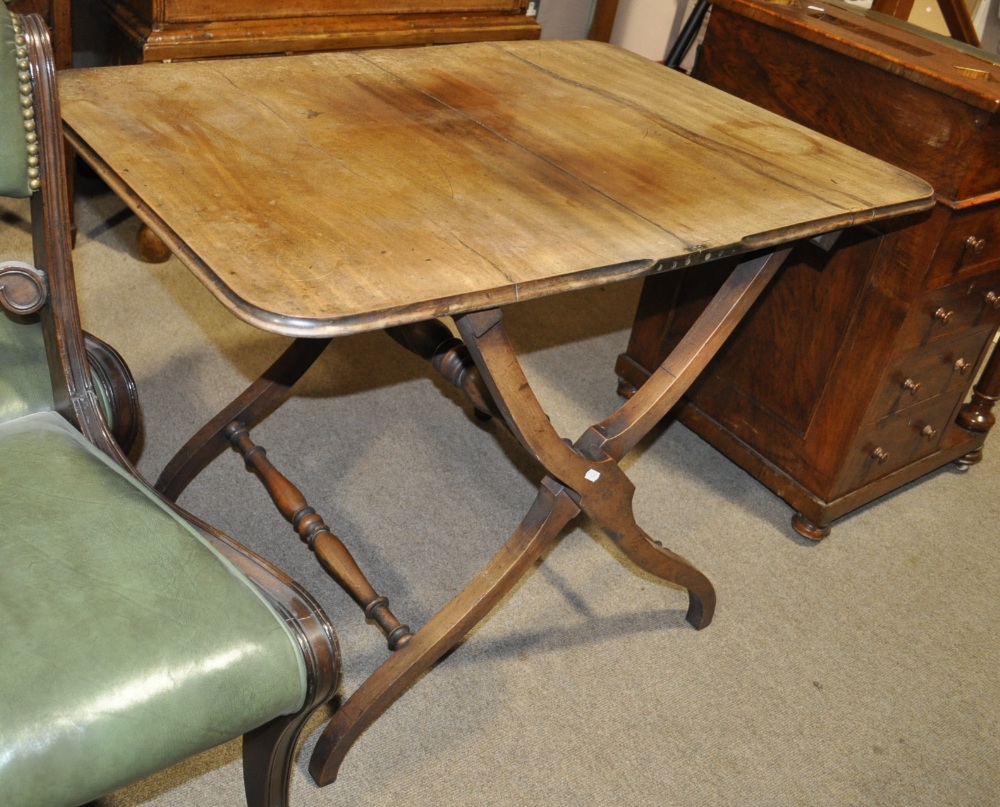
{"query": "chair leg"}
[(267, 759)]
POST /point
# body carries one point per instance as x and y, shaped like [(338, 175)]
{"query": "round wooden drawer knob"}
[(944, 316), (975, 245), (911, 386), (880, 455), (992, 299), (962, 366), (929, 432)]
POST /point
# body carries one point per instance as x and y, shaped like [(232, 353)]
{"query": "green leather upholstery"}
[(24, 371), (126, 642), (13, 142)]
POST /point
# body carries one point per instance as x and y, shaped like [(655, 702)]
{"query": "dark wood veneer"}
[(847, 379)]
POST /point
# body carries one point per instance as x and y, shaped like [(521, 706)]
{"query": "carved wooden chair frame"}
[(94, 392)]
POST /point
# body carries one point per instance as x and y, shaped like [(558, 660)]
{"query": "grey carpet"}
[(862, 670)]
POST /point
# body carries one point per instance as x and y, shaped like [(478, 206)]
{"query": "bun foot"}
[(625, 389), (972, 458), (804, 527), (150, 246)]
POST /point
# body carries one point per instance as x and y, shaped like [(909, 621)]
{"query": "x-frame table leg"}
[(594, 480), (585, 476), (552, 510)]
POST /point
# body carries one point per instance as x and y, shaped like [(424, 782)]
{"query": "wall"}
[(565, 19), (643, 26), (647, 26)]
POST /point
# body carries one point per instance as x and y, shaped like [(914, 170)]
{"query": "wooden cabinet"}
[(848, 378), (159, 30), (57, 16)]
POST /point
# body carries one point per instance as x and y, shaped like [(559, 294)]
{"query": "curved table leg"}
[(589, 468), (552, 510), (582, 476), (595, 481), (256, 402), (611, 508)]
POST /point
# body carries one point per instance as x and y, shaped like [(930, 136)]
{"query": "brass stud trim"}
[(27, 97)]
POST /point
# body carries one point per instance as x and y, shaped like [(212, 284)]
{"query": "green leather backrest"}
[(16, 121), (25, 384), (24, 372)]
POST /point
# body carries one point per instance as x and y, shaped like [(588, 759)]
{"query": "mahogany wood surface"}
[(162, 30), (846, 380), (538, 167), (333, 193)]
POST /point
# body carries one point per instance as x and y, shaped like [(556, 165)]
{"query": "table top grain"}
[(331, 193)]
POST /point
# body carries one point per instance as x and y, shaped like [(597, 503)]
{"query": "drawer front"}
[(216, 10), (970, 244), (895, 441), (944, 366), (946, 312)]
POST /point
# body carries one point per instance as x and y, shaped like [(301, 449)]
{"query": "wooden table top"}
[(330, 193)]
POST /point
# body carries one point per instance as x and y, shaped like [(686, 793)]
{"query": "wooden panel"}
[(947, 311), (171, 30), (894, 442), (883, 43), (796, 380), (216, 10), (783, 363), (970, 242), (281, 36), (841, 74), (946, 366)]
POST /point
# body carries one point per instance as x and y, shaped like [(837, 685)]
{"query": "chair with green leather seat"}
[(132, 636)]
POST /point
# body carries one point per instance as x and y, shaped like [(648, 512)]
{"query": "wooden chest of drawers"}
[(160, 30), (847, 379)]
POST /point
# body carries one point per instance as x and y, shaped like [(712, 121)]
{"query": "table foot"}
[(552, 510), (150, 247), (654, 558)]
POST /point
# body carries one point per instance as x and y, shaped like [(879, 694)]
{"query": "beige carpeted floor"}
[(863, 670)]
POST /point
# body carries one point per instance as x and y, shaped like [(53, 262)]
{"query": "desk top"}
[(337, 192)]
